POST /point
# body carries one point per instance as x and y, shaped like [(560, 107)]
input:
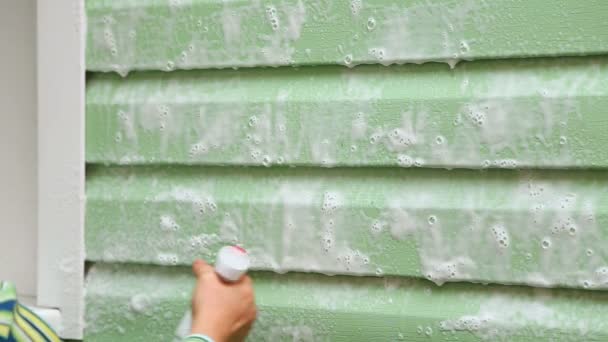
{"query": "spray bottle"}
[(231, 264)]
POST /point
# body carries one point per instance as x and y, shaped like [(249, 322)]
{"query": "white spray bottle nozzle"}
[(232, 263)]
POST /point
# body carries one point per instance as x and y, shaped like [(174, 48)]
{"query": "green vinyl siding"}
[(510, 114), (128, 303), (351, 185), (443, 225), (179, 34)]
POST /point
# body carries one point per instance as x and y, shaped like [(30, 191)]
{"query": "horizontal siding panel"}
[(194, 34), (546, 228), (128, 303), (515, 114)]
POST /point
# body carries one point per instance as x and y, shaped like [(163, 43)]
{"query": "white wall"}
[(18, 157)]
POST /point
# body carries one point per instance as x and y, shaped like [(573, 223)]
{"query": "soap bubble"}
[(439, 140), (404, 160), (374, 138), (355, 6), (546, 243), (348, 59), (432, 219), (464, 47), (255, 154), (371, 24), (253, 121)]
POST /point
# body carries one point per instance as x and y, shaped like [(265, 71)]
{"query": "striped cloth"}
[(18, 323)]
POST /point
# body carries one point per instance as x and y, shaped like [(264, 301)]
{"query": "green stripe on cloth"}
[(6, 317), (7, 291)]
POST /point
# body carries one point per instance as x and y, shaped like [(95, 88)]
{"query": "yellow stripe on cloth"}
[(39, 323), (22, 326), (4, 330)]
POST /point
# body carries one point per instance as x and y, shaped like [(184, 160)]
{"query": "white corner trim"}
[(61, 84)]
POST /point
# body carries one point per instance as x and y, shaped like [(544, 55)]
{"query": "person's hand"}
[(223, 311)]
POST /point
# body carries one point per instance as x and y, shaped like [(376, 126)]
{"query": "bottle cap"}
[(232, 263)]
